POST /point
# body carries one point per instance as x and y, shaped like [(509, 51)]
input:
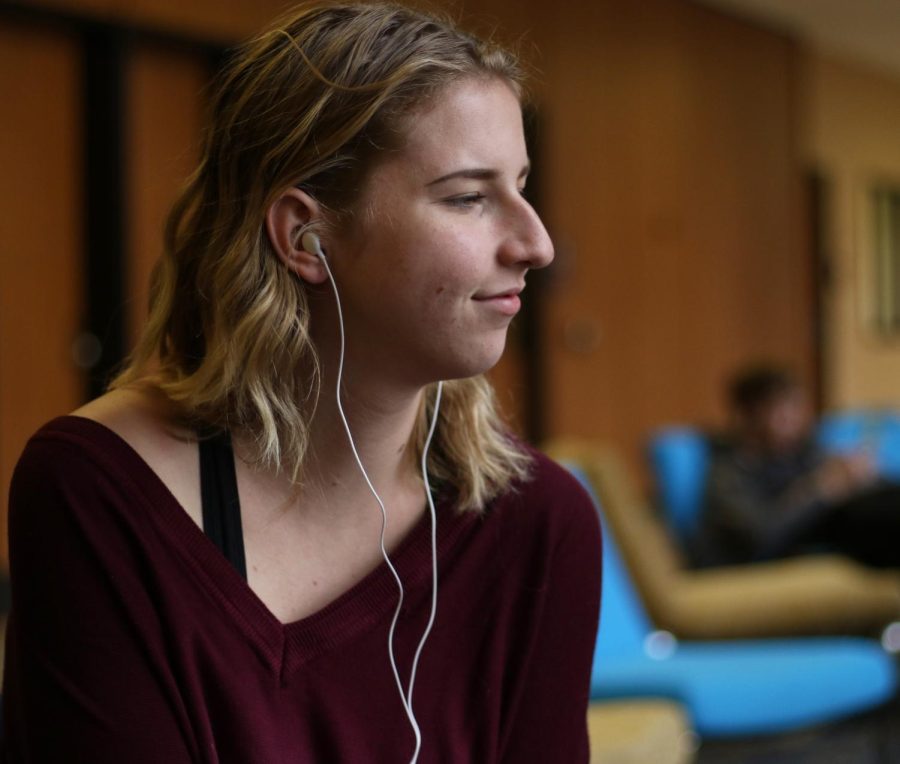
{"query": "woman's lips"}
[(507, 303)]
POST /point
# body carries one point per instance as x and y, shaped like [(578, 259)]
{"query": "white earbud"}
[(310, 242)]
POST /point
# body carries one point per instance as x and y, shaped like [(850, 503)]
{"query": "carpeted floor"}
[(872, 738)]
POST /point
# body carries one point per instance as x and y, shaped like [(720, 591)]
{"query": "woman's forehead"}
[(475, 122)]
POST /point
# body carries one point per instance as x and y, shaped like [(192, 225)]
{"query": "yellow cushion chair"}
[(640, 732), (824, 594)]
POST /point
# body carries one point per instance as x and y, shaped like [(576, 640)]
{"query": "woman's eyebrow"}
[(476, 173)]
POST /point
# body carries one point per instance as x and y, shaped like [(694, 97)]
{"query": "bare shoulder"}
[(143, 420)]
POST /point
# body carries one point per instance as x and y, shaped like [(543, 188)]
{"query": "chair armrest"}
[(806, 595), (638, 731)]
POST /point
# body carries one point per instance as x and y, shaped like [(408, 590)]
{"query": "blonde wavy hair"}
[(311, 103)]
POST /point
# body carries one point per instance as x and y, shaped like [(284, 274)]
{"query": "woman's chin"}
[(473, 364)]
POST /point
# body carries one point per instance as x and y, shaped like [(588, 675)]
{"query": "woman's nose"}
[(527, 242)]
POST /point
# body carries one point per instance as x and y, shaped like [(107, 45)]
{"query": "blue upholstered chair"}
[(733, 688), (877, 430), (820, 594), (680, 458)]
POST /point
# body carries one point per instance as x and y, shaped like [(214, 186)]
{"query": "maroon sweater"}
[(132, 638)]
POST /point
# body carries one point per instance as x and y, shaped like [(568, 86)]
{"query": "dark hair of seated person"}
[(757, 385)]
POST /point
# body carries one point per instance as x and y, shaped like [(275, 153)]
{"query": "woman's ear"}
[(288, 216)]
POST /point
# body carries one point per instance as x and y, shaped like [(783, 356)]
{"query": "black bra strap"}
[(219, 496)]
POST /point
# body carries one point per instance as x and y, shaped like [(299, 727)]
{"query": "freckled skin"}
[(411, 274)]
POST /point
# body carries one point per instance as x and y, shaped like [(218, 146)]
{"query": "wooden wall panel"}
[(40, 237), (164, 118), (205, 19), (673, 187)]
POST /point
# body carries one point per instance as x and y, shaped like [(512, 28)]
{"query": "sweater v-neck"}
[(285, 646)]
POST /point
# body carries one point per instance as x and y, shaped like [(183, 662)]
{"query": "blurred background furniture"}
[(874, 430), (680, 457), (813, 595), (640, 731), (728, 688)]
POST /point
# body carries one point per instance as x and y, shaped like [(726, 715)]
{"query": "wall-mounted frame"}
[(884, 251)]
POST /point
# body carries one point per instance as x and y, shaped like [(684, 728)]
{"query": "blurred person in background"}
[(773, 492)]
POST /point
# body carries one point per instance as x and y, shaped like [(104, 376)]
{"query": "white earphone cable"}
[(434, 567), (405, 697)]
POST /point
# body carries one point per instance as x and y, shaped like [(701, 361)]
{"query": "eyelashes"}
[(465, 201), (469, 201)]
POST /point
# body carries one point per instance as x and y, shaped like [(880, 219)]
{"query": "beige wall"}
[(852, 137)]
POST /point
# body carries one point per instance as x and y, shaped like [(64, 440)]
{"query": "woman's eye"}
[(466, 200)]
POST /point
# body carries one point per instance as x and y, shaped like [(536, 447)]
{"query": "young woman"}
[(228, 557)]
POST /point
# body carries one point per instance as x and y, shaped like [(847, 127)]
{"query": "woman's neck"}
[(381, 424), (332, 485)]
